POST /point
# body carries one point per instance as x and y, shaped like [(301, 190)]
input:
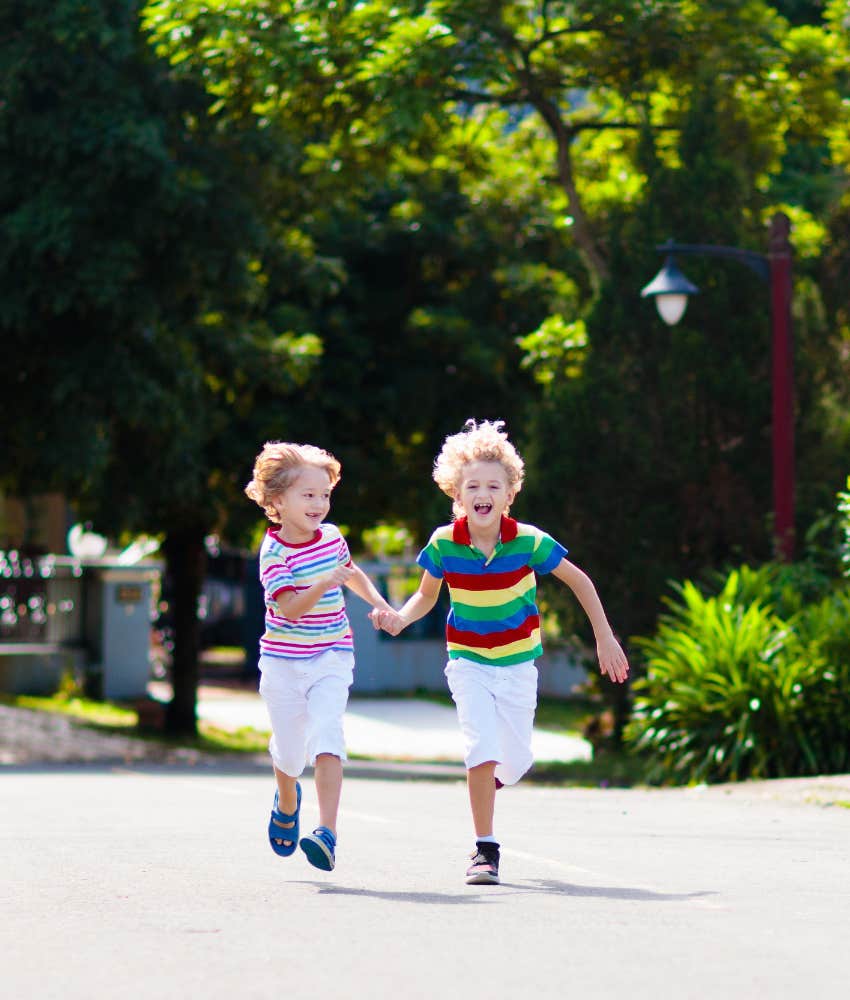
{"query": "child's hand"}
[(337, 577), (392, 622), (374, 617), (612, 659), (387, 619)]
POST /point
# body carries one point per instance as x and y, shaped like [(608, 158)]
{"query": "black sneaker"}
[(484, 869)]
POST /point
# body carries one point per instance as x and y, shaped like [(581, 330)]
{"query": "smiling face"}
[(484, 494), (304, 504)]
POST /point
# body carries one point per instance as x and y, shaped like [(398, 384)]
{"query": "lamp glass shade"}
[(671, 307), (670, 289)]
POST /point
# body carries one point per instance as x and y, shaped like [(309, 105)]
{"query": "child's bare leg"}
[(481, 783), (287, 802), (286, 796), (328, 779)]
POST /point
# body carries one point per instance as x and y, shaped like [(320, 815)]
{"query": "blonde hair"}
[(484, 442), (277, 466)]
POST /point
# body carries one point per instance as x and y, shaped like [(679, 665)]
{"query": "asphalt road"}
[(157, 881)]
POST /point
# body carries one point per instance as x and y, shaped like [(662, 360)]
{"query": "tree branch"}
[(582, 233), (482, 97)]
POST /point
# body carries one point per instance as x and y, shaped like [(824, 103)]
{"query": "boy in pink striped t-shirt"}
[(306, 652)]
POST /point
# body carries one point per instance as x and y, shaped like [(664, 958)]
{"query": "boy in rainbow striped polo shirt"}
[(489, 562), (306, 652)]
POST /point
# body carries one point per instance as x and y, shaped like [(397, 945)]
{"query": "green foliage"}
[(384, 541), (735, 690), (225, 221), (844, 516), (128, 303), (449, 152), (139, 332), (555, 349), (362, 79), (70, 686)]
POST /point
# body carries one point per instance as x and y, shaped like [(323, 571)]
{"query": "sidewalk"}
[(33, 739), (400, 729)]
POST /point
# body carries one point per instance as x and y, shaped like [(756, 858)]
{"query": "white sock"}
[(489, 839)]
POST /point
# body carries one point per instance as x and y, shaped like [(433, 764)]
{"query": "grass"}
[(102, 714), (123, 720), (607, 769)]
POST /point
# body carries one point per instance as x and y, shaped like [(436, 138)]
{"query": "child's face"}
[(304, 504), (484, 493)]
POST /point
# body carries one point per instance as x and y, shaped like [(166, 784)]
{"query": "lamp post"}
[(670, 289)]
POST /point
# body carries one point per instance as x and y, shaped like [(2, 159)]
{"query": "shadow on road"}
[(398, 897), (605, 891), (494, 893)]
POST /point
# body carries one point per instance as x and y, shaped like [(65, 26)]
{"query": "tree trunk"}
[(582, 231), (186, 563)]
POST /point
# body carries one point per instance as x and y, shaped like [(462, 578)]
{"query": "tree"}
[(431, 209), (137, 342), (424, 251), (593, 73), (611, 106)]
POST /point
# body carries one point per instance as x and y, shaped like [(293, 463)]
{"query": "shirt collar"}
[(277, 534), (460, 530)]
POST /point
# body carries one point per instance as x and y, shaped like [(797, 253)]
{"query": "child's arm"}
[(293, 605), (360, 583), (612, 659), (414, 607)]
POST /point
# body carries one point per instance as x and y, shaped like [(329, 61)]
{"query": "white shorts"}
[(495, 708), (306, 701)]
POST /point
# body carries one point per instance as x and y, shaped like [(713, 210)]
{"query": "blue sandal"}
[(288, 834), (319, 846)]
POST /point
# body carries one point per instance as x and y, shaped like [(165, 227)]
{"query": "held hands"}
[(387, 619), (612, 659)]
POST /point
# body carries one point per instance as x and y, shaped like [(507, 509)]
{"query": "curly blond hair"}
[(277, 466), (477, 442)]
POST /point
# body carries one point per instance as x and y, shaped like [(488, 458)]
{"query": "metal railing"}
[(41, 599)]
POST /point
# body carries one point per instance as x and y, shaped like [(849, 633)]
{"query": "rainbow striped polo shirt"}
[(287, 566), (493, 617)]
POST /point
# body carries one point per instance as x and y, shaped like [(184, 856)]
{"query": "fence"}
[(59, 614), (415, 660)]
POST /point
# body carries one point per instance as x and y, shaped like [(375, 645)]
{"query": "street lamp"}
[(670, 289)]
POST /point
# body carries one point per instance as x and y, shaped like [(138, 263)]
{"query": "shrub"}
[(824, 628), (844, 521), (735, 690)]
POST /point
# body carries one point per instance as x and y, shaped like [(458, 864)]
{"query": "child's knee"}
[(288, 758), (326, 739)]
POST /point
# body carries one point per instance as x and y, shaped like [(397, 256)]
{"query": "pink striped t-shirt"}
[(285, 566)]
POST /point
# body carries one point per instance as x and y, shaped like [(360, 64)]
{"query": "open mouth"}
[(482, 508)]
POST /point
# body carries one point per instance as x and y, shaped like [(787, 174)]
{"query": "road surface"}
[(156, 880)]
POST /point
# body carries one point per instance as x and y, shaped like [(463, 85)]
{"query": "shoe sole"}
[(482, 878), (317, 854)]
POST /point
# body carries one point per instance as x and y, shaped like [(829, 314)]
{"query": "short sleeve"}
[(343, 554), (430, 559), (547, 553), (275, 576)]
